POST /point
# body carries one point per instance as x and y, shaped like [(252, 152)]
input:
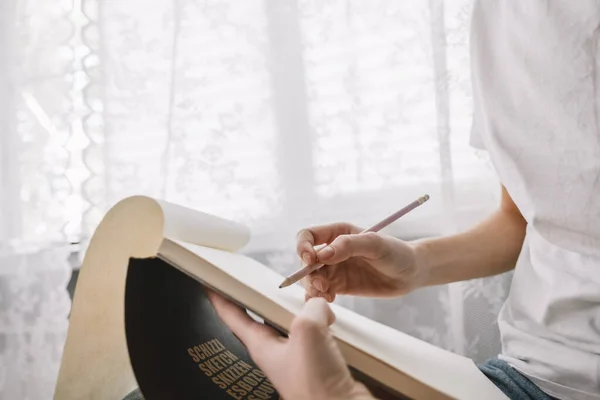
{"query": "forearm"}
[(489, 248)]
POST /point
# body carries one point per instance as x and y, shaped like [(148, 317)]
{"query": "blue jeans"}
[(514, 384)]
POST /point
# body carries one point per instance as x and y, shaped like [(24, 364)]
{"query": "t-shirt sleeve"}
[(475, 137), (475, 140)]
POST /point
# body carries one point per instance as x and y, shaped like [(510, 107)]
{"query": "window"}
[(280, 114)]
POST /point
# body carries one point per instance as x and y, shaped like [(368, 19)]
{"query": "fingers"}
[(254, 335), (315, 318), (367, 245), (319, 281), (317, 285), (308, 238), (311, 293), (305, 246)]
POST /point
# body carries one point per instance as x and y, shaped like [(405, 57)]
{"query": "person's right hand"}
[(369, 264)]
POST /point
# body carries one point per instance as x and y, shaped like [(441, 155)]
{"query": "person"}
[(536, 87)]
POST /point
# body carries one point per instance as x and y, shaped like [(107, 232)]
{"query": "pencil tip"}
[(284, 284)]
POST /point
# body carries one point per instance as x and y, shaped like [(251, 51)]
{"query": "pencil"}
[(301, 273)]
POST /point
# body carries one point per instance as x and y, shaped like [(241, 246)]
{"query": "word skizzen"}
[(239, 379)]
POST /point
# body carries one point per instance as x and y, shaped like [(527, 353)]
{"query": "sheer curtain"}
[(277, 113)]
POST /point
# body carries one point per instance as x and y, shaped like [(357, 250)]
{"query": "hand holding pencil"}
[(358, 261)]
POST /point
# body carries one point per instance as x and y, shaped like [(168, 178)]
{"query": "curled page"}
[(195, 227)]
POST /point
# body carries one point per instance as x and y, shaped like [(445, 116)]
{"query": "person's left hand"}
[(308, 364)]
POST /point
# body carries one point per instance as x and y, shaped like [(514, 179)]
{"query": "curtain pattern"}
[(278, 113)]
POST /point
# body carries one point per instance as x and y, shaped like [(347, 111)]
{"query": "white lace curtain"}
[(276, 113)]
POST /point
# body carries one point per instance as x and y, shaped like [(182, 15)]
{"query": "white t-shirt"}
[(536, 87)]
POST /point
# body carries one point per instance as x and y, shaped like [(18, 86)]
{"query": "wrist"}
[(423, 265)]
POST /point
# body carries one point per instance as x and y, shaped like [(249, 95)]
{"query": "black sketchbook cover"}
[(180, 349)]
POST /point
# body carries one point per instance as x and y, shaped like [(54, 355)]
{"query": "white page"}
[(445, 371), (191, 226)]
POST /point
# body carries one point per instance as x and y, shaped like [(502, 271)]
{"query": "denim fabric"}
[(514, 384)]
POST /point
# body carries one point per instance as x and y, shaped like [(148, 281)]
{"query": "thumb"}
[(315, 317), (368, 245)]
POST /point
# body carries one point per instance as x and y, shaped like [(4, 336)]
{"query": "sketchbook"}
[(141, 320)]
